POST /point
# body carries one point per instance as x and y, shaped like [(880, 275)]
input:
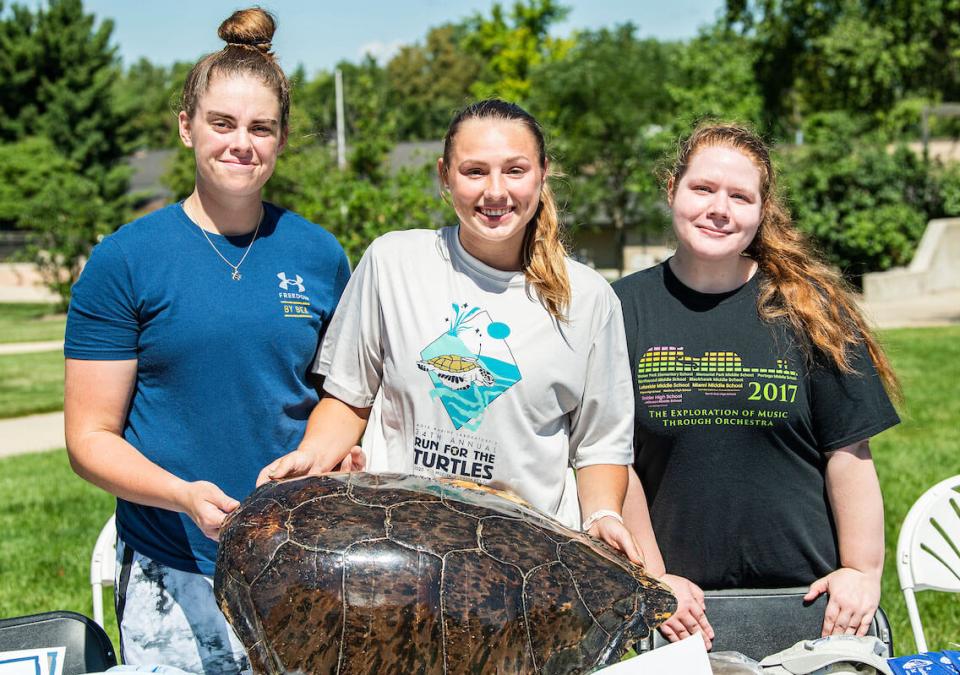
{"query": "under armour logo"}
[(285, 283)]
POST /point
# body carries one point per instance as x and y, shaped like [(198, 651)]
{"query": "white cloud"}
[(381, 51)]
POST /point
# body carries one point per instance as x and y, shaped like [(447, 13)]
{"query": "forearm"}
[(108, 461), (334, 427), (636, 516), (857, 505), (95, 401), (601, 487)]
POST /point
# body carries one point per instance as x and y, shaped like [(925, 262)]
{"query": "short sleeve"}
[(626, 292), (351, 355), (602, 426), (102, 321), (849, 407), (343, 274), (339, 284)]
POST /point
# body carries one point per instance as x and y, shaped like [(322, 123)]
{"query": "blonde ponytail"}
[(545, 257)]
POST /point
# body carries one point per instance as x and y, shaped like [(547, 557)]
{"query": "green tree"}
[(181, 173), (28, 165), (148, 99), (57, 69), (43, 192), (369, 120), (354, 207), (854, 66), (781, 32), (605, 103), (20, 76), (75, 71), (713, 76), (860, 57), (65, 220), (366, 199), (949, 179), (866, 207), (427, 83), (511, 45)]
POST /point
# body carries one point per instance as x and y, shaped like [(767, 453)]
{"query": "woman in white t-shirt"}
[(494, 356)]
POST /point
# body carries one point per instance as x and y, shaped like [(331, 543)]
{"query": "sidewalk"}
[(34, 433), (28, 347), (934, 309)]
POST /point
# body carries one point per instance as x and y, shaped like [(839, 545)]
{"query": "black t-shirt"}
[(732, 423)]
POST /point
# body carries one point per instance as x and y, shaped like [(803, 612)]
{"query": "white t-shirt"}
[(476, 379)]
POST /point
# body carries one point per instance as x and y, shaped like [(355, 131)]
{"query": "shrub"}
[(865, 205)]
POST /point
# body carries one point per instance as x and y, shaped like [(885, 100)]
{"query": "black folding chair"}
[(88, 649), (760, 622)]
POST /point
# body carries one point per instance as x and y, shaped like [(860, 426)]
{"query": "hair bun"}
[(252, 27)]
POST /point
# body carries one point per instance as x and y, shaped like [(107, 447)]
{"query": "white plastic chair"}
[(928, 550), (103, 566)]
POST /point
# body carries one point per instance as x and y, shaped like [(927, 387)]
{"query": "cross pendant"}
[(236, 275)]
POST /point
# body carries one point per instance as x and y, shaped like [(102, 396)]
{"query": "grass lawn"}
[(31, 383), (51, 518), (915, 455), (30, 322)]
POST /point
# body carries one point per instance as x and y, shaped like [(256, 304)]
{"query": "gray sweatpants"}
[(170, 617)]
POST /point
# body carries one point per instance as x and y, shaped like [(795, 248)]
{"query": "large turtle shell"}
[(363, 573)]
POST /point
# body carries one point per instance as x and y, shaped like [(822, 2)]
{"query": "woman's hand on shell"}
[(691, 614), (300, 462), (207, 505), (355, 461), (854, 597), (618, 537), (304, 462)]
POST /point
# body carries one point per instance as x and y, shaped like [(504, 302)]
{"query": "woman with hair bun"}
[(189, 341), (493, 356), (758, 386)]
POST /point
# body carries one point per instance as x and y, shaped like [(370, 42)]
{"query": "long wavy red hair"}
[(796, 286)]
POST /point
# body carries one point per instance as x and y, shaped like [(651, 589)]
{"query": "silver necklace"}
[(236, 276)]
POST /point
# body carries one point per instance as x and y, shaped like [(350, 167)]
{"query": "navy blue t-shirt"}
[(222, 365)]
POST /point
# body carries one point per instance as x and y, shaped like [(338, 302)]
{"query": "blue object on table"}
[(927, 663)]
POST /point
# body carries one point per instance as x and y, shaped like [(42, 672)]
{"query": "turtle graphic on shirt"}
[(458, 372), (462, 381)]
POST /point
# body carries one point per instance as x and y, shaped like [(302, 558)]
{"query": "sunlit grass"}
[(31, 383), (30, 322), (914, 456), (50, 519)]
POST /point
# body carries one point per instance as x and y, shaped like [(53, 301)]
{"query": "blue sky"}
[(318, 34)]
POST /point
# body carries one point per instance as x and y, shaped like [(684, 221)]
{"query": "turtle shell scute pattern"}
[(453, 363), (362, 573), (458, 372)]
